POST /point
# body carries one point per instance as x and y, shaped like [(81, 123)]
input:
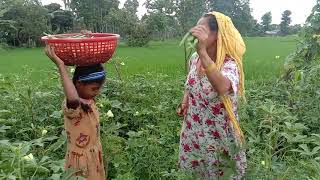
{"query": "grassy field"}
[(161, 57), (141, 139)]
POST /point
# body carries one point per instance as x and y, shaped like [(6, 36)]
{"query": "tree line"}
[(22, 22)]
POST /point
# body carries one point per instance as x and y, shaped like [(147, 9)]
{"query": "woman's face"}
[(213, 35)]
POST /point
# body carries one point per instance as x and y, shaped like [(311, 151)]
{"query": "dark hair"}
[(213, 24), (86, 70)]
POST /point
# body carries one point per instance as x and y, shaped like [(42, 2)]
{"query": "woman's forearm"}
[(68, 87), (219, 82), (185, 97)]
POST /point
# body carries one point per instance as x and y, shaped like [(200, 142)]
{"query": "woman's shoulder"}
[(84, 106), (229, 59), (229, 62)]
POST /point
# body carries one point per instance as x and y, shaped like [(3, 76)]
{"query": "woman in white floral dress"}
[(207, 135)]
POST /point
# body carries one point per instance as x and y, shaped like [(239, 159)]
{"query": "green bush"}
[(141, 140), (139, 36)]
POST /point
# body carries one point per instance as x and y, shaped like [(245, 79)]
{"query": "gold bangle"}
[(211, 67)]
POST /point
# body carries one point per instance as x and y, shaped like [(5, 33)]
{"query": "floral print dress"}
[(84, 152), (207, 125)]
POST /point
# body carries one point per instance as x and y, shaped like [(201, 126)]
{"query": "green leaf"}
[(4, 113), (69, 175), (227, 173), (25, 148), (56, 114), (126, 176), (299, 138), (12, 177), (116, 104), (37, 142), (315, 150), (44, 159), (61, 141), (299, 126), (297, 150), (51, 138), (55, 177), (5, 142), (8, 121), (4, 128), (57, 166), (34, 167), (317, 135), (304, 147), (135, 134)]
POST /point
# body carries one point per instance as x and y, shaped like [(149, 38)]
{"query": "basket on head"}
[(82, 50)]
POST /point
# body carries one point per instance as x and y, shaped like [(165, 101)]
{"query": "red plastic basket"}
[(94, 49)]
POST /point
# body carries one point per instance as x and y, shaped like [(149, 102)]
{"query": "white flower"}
[(122, 63), (277, 57), (28, 157), (110, 114), (72, 70), (136, 113), (263, 163), (44, 132), (116, 165)]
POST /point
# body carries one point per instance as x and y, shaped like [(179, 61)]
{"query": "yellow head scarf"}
[(230, 43)]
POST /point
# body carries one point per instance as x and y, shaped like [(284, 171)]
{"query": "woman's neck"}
[(212, 54), (86, 100)]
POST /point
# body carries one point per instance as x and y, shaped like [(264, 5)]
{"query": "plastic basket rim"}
[(107, 37)]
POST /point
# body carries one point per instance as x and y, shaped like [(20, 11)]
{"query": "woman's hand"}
[(183, 106), (202, 34), (52, 55), (182, 109)]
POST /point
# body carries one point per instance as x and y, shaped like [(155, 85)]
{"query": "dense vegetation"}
[(140, 131)]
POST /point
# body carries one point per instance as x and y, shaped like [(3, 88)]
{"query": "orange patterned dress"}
[(84, 151)]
